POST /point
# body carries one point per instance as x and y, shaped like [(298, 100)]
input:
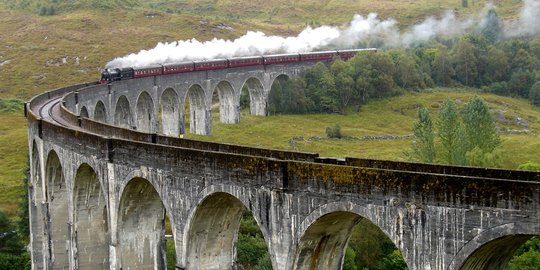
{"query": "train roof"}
[(178, 64), (317, 52), (281, 55), (210, 60), (147, 67), (246, 57), (358, 50)]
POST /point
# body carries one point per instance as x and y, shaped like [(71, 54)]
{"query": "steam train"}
[(117, 74)]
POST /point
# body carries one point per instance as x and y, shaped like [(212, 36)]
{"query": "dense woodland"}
[(510, 67)]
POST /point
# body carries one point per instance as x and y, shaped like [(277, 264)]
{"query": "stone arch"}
[(321, 241), (171, 114), (141, 232), (199, 114), (280, 77), (145, 113), (100, 113), (212, 232), (36, 198), (493, 248), (122, 113), (277, 98), (58, 219), (90, 220), (257, 96), (323, 244), (229, 107), (84, 112)]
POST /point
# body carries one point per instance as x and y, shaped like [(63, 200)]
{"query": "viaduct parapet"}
[(107, 170)]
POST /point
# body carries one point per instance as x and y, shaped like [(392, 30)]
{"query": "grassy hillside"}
[(393, 116), (39, 53)]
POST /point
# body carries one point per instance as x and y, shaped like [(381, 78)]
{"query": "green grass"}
[(13, 149), (393, 116)]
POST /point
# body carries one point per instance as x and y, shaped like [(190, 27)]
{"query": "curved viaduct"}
[(100, 191)]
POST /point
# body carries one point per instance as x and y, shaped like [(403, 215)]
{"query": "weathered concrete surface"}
[(99, 194), (90, 238)]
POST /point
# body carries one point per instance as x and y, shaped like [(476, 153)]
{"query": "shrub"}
[(530, 166), (10, 105), (334, 132)]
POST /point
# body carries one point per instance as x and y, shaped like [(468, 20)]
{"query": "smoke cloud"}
[(368, 31), (528, 23)]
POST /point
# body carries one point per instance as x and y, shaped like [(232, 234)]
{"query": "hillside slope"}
[(383, 128)]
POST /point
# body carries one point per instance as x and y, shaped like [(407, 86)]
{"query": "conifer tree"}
[(465, 62), (492, 27), (423, 147), (451, 135), (480, 126)]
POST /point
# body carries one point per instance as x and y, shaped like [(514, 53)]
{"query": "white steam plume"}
[(528, 23), (361, 32)]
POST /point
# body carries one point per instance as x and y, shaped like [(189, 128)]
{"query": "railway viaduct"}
[(107, 169)]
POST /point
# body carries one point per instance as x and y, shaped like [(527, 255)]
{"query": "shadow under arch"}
[(228, 105), (90, 218), (145, 113), (100, 113), (212, 232), (257, 96), (324, 235), (122, 113), (198, 118), (493, 248), (84, 112), (57, 203), (171, 121), (36, 197), (141, 230)]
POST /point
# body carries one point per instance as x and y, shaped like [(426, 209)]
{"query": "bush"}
[(11, 262), (334, 132), (530, 166), (499, 88), (11, 105), (47, 11)]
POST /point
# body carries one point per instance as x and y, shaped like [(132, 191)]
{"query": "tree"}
[(370, 248), (251, 247), (497, 65), (465, 62), (520, 83), (423, 148), (534, 94), (407, 74), (523, 61), (442, 68), (343, 73), (527, 256), (492, 27), (479, 126), (286, 96), (451, 134), (321, 89), (374, 73)]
